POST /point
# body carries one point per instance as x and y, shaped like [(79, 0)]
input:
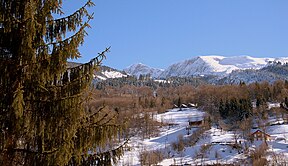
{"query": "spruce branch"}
[(34, 152)]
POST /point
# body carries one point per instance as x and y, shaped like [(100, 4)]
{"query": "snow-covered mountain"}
[(217, 65), (204, 66), (222, 69), (141, 69), (104, 72)]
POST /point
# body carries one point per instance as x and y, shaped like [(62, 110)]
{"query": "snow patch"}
[(113, 74)]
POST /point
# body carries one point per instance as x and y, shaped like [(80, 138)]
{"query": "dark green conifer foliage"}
[(179, 102), (237, 109), (259, 101), (222, 111), (286, 101), (42, 118)]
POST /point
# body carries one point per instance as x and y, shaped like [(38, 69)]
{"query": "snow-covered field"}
[(213, 146), (168, 135)]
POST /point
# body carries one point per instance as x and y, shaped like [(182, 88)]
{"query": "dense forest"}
[(225, 102)]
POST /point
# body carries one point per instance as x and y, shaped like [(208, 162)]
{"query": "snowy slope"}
[(141, 69), (269, 73), (202, 65), (110, 74), (165, 138), (250, 76), (219, 142), (217, 65), (104, 72)]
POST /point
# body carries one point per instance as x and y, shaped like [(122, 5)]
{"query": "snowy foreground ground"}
[(219, 150)]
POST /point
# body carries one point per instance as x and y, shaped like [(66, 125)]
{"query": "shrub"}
[(179, 145), (151, 157)]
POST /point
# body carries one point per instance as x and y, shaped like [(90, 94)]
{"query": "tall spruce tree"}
[(42, 115)]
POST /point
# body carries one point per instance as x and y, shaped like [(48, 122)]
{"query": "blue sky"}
[(161, 32)]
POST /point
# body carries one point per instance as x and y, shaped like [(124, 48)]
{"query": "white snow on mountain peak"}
[(244, 62), (205, 65), (141, 69), (225, 65)]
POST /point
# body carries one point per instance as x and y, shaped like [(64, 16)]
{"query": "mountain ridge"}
[(205, 65), (142, 69)]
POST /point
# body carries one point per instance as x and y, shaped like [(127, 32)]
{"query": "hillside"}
[(104, 72), (177, 145), (269, 73)]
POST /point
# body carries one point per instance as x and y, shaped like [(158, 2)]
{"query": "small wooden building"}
[(195, 123), (191, 105), (175, 106), (260, 135), (184, 106)]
